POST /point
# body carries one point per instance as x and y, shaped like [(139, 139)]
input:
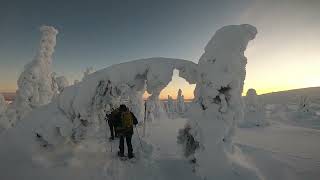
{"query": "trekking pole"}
[(144, 119), (139, 138), (111, 146)]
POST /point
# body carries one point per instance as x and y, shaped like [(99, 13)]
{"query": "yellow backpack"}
[(126, 120)]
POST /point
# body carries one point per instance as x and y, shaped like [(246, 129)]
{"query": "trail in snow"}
[(164, 137), (166, 161), (168, 155)]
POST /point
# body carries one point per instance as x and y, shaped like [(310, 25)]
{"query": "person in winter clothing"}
[(112, 118), (124, 127)]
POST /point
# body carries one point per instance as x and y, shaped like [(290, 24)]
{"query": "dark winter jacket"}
[(113, 117)]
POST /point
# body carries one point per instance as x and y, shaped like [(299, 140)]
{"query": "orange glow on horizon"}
[(188, 91), (8, 88)]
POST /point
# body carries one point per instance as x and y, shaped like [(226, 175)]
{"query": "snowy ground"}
[(280, 151)]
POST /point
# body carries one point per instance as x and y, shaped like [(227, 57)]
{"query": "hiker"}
[(112, 118), (124, 128)]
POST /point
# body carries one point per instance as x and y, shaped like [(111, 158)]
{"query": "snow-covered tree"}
[(304, 115), (218, 104), (35, 86), (254, 113), (304, 104), (87, 72), (252, 99), (62, 82), (150, 110), (180, 102), (3, 105), (170, 104), (58, 84), (4, 122)]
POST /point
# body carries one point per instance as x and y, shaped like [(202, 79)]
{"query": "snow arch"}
[(125, 79)]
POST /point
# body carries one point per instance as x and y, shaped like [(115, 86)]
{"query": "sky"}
[(285, 54)]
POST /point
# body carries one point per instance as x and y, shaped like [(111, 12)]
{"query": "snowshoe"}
[(130, 156), (121, 154), (123, 158)]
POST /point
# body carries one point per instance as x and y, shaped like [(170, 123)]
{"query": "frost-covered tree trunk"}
[(218, 104), (35, 85)]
